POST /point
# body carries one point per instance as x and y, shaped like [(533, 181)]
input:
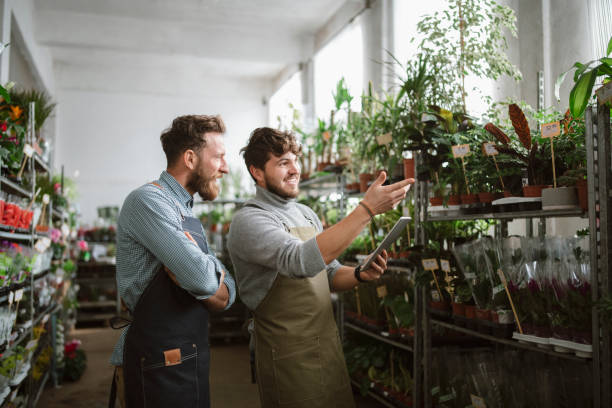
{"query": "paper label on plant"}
[(550, 130), (384, 139), (40, 246), (65, 230), (31, 344), (45, 319), (435, 296), (309, 141), (430, 264), (28, 150), (46, 199), (470, 275), (497, 289), (460, 151), (478, 402), (18, 295), (501, 275), (381, 291), (445, 265), (14, 394), (489, 149), (11, 297)]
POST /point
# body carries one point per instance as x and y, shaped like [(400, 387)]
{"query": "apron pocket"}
[(171, 385), (298, 371)]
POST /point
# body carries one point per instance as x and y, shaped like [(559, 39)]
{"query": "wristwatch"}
[(357, 273)]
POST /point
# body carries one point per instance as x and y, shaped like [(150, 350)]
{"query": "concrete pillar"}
[(308, 93), (377, 26), (5, 38)]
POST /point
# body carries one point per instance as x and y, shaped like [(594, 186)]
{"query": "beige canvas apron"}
[(299, 358)]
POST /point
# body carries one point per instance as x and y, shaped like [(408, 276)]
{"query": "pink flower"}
[(83, 245), (57, 187), (56, 235)]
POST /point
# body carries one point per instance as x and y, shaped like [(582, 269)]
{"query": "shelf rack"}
[(599, 176)]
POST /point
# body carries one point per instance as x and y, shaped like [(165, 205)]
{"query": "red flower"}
[(3, 126)]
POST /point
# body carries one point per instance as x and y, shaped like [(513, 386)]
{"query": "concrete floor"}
[(230, 381)]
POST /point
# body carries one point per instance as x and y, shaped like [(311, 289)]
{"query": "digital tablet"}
[(391, 237)]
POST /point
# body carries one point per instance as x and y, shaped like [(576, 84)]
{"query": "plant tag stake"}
[(497, 289), (381, 291), (478, 402), (550, 130), (460, 151), (505, 283), (45, 319), (384, 139), (42, 244), (445, 265), (28, 151), (432, 265), (488, 149), (470, 275), (18, 295), (31, 344), (10, 298)]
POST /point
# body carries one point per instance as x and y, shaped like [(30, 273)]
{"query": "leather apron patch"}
[(172, 357)]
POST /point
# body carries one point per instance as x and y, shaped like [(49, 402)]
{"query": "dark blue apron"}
[(166, 353)]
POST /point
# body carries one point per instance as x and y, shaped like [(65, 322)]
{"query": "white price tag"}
[(435, 296), (65, 230), (381, 291), (470, 275), (461, 150), (31, 345), (28, 150), (11, 297), (430, 264), (46, 199), (489, 149), (501, 275), (478, 402), (445, 265), (42, 244), (384, 139), (550, 130), (45, 319), (14, 394), (497, 289), (18, 295)]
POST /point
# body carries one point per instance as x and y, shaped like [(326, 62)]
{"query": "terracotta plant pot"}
[(404, 254), (321, 166), (483, 314), (436, 201), (364, 179), (438, 305), (533, 191), (507, 194), (458, 309), (486, 197), (583, 194), (454, 200), (469, 198), (470, 311), (408, 168)]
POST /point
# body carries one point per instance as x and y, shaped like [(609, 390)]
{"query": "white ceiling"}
[(241, 39)]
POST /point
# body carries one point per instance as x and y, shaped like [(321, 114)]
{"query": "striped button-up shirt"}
[(150, 234)]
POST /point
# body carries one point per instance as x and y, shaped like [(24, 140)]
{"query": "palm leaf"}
[(581, 92)]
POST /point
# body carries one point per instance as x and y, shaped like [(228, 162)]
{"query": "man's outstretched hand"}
[(381, 198)]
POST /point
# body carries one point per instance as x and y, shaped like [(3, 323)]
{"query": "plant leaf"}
[(609, 47), (4, 93), (581, 92)]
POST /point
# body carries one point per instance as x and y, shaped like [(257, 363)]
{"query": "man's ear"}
[(257, 173), (190, 159)]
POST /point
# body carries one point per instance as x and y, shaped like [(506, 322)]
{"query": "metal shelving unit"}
[(378, 337), (599, 169)]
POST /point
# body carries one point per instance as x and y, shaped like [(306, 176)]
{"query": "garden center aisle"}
[(230, 380)]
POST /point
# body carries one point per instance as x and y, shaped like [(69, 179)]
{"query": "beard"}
[(205, 185), (278, 190)]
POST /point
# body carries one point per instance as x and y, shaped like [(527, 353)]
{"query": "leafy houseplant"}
[(584, 80), (43, 106), (475, 53)]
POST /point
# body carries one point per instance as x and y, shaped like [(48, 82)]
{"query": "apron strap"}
[(113, 391)]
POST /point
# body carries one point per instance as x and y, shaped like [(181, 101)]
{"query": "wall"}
[(112, 138)]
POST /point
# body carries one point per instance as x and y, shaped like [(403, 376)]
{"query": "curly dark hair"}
[(265, 141), (188, 132)]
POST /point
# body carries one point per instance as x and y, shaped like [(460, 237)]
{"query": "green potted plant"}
[(584, 81)]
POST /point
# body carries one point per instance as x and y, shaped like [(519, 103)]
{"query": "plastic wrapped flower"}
[(56, 235), (83, 245)]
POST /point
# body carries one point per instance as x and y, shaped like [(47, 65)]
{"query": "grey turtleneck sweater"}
[(261, 247)]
